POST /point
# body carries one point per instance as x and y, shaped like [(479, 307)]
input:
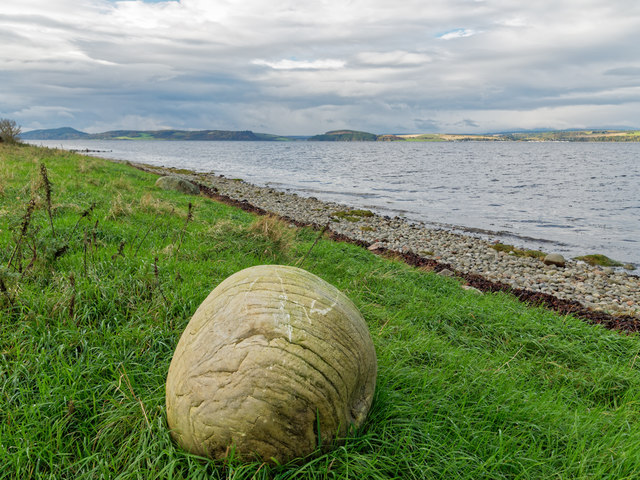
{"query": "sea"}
[(571, 198)]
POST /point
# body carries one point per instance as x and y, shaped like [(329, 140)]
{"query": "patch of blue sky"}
[(146, 1), (456, 33)]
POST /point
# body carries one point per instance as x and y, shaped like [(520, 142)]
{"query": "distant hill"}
[(352, 136), (533, 136), (223, 135), (64, 133), (576, 136), (67, 133)]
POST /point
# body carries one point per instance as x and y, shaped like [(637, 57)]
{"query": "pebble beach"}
[(601, 289)]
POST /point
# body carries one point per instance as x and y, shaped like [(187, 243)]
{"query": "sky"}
[(302, 67)]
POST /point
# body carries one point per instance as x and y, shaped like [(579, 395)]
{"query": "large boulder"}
[(172, 182), (554, 259), (274, 362)]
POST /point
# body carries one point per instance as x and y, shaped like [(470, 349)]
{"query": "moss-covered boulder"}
[(273, 363), (172, 182)]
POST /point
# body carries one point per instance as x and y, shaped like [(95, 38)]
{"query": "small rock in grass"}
[(446, 273), (172, 182), (554, 259), (471, 289)]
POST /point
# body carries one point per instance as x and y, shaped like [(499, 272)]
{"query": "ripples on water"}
[(575, 198)]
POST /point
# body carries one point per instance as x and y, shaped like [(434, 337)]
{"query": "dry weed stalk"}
[(94, 243), (120, 252), (184, 228), (128, 384), (85, 213), (157, 277), (47, 188), (301, 261), (26, 221), (146, 233), (34, 249), (5, 291)]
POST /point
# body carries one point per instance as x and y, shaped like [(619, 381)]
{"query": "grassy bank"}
[(95, 296)]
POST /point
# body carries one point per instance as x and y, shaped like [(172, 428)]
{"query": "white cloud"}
[(394, 58), (129, 122), (286, 64), (515, 21)]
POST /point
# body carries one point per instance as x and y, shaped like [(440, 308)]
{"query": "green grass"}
[(426, 138), (352, 215), (501, 247), (600, 260), (469, 386), (140, 136)]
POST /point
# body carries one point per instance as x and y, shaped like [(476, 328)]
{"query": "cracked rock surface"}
[(273, 358)]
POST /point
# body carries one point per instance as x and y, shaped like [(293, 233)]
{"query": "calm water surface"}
[(574, 198)]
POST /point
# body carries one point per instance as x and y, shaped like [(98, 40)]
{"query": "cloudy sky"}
[(308, 66)]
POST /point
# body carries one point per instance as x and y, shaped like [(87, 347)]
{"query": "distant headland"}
[(67, 133)]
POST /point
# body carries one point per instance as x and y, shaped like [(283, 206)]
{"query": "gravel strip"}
[(607, 290)]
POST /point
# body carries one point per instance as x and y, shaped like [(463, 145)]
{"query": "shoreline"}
[(589, 214), (599, 294)]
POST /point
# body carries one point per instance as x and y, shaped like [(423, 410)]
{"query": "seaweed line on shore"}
[(623, 323)]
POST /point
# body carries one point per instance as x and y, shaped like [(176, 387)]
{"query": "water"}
[(571, 198)]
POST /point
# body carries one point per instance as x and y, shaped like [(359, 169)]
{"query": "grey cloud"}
[(467, 123), (41, 20), (427, 125), (624, 71)]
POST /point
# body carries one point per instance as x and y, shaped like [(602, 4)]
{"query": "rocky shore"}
[(613, 292)]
